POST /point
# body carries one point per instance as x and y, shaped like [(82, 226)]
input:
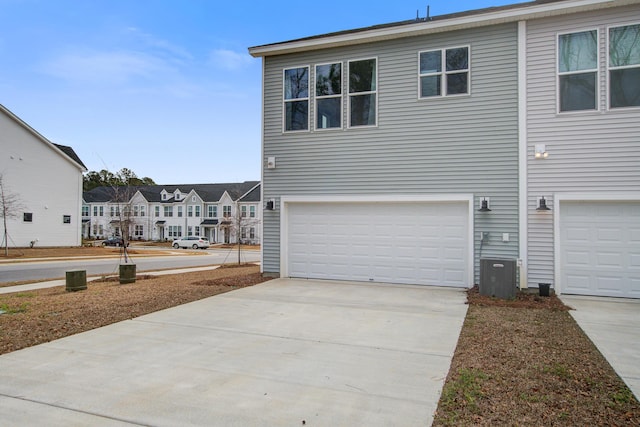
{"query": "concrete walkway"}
[(613, 325), (282, 353)]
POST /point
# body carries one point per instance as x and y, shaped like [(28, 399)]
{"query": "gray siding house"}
[(405, 153)]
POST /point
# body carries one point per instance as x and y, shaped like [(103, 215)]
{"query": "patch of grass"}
[(6, 309), (559, 370), (466, 387), (622, 396), (24, 295)]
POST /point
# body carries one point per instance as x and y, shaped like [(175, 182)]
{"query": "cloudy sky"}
[(163, 87)]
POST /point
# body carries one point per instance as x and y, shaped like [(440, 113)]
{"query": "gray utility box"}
[(498, 278)]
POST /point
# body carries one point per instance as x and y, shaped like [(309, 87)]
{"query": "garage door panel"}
[(599, 248), (387, 242)]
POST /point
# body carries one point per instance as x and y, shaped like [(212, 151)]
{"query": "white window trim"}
[(558, 74), (608, 69), (341, 96), (348, 93), (308, 99), (443, 72)]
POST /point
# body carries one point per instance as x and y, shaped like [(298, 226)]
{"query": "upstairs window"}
[(578, 70), (212, 211), (252, 211), (329, 96), (190, 211), (157, 211), (85, 210), (95, 211), (179, 211), (226, 211), (296, 99), (363, 82), (624, 66), (444, 72), (243, 211), (168, 211), (197, 210)]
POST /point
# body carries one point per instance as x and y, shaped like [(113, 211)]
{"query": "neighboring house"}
[(166, 212), (47, 178), (381, 144)]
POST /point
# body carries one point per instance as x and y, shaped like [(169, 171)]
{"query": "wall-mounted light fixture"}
[(542, 204), (270, 205), (541, 151), (484, 205)]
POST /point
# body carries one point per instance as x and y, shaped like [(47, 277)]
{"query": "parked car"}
[(114, 241), (194, 242)]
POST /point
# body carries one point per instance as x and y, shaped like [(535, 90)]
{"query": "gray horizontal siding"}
[(588, 152), (438, 146)]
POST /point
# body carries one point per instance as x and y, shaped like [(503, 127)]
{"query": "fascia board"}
[(526, 12)]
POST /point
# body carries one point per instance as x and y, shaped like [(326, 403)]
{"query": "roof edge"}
[(483, 17), (43, 139)]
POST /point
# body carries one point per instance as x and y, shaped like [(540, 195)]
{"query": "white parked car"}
[(194, 242)]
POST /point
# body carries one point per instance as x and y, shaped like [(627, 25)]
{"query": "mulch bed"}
[(526, 362)]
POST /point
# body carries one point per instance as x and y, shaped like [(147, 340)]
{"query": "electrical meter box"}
[(498, 278)]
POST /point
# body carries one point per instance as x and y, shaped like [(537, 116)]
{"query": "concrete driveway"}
[(613, 325), (283, 353)]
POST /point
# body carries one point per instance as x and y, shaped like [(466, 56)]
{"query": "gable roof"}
[(152, 193), (253, 195), (436, 24), (62, 150)]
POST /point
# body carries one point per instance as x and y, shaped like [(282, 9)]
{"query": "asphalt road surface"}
[(13, 272)]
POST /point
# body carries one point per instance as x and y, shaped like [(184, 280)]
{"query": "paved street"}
[(38, 270)]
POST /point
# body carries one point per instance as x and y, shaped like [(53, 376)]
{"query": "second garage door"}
[(424, 243), (600, 248)]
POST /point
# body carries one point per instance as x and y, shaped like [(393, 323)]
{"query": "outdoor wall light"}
[(271, 205), (542, 204), (541, 151), (484, 205)]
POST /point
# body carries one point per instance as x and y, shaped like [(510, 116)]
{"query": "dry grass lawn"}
[(527, 363)]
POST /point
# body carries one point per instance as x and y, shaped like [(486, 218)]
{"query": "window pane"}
[(578, 92), (578, 51), (363, 110), (457, 83), (296, 83), (329, 79), (296, 115), (430, 62), (329, 113), (624, 46), (625, 87), (457, 59), (430, 86), (362, 76)]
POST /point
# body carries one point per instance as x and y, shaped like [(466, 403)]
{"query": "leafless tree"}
[(11, 206), (237, 221)]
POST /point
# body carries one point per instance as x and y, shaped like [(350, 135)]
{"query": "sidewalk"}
[(62, 282)]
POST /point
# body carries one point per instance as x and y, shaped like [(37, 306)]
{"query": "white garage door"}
[(600, 248), (412, 243)]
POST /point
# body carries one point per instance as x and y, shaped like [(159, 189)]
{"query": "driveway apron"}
[(283, 353), (613, 325)]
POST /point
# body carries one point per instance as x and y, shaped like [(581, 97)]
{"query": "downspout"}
[(522, 154)]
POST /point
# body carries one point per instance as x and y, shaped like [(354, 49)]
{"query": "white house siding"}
[(589, 152), (456, 145), (48, 183)]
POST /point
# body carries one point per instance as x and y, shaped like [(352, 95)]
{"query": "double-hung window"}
[(212, 211), (190, 210), (578, 71), (363, 82), (226, 211), (296, 99), (444, 72), (252, 211), (624, 66), (329, 96)]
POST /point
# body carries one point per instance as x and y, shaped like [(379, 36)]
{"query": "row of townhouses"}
[(223, 213), (408, 152)]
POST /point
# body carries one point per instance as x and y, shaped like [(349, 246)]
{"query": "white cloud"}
[(229, 59), (115, 67)]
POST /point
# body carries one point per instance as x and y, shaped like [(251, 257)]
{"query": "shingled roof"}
[(207, 192)]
